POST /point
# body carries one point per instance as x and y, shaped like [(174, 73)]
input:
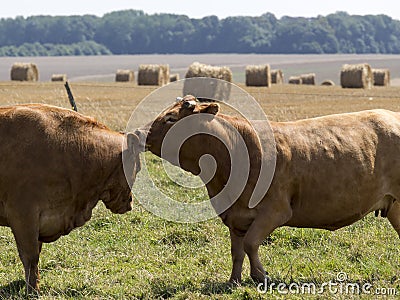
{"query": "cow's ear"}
[(212, 108), (133, 142)]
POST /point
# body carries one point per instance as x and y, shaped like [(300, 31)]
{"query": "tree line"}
[(135, 32)]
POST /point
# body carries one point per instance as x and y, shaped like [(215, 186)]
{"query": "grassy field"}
[(140, 256)]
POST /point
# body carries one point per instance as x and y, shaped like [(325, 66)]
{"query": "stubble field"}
[(140, 256), (103, 68)]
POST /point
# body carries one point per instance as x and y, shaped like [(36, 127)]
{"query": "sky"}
[(201, 8)]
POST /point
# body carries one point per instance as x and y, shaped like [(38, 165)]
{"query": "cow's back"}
[(35, 136)]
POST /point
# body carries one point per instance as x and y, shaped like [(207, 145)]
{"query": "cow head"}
[(118, 196), (156, 130)]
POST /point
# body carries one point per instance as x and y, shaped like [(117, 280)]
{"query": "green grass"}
[(140, 256)]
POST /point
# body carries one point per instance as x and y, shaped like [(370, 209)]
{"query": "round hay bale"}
[(197, 69), (258, 75), (174, 77), (277, 76), (165, 70), (59, 77), (295, 80), (356, 76), (24, 72), (124, 76), (328, 82), (150, 75), (381, 77), (308, 79), (208, 89)]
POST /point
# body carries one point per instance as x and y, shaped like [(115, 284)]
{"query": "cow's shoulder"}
[(382, 115)]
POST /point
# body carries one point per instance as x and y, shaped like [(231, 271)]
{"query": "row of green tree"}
[(47, 49), (134, 32)]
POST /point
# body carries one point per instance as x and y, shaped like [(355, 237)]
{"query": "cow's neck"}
[(98, 154), (207, 144)]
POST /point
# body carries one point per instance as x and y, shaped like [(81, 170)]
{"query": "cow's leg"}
[(38, 273), (26, 234), (238, 254), (268, 219), (394, 216)]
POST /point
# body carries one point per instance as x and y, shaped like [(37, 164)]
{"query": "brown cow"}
[(55, 165), (330, 172)]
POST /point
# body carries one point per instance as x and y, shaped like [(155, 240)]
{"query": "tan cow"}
[(330, 172), (55, 165)]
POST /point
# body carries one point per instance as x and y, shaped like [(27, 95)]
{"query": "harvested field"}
[(102, 68), (138, 255)]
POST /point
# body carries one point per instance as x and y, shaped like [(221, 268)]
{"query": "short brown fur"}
[(55, 165), (330, 172)]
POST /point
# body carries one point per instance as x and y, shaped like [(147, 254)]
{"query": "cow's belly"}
[(54, 224), (332, 222), (335, 207)]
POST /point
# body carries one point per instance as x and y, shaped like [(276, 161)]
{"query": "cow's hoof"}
[(258, 278), (235, 282)]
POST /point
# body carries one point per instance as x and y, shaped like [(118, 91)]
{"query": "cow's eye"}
[(170, 119)]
